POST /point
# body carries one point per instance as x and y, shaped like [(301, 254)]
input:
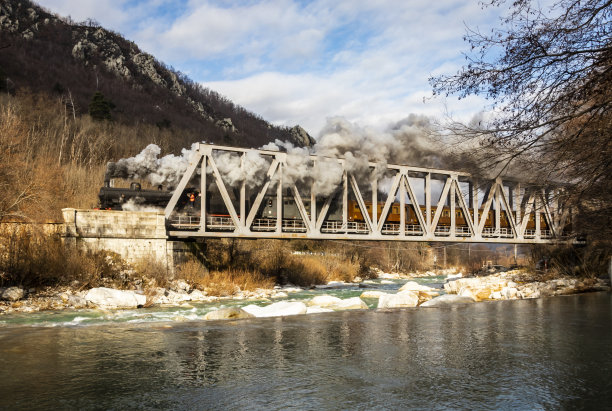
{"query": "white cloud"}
[(382, 80), (298, 63)]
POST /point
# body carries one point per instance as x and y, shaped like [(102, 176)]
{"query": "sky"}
[(304, 62)]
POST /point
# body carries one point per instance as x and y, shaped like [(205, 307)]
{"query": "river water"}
[(550, 353)]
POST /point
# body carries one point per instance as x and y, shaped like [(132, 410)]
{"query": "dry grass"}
[(221, 283), (153, 271), (305, 271), (31, 257)]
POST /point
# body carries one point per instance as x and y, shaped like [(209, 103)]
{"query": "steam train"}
[(112, 198), (115, 198), (291, 211)]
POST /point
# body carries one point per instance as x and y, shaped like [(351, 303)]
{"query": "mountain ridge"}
[(43, 52)]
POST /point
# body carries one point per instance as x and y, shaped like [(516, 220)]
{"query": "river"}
[(549, 353)]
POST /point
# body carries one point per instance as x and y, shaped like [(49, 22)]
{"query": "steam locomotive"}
[(112, 198)]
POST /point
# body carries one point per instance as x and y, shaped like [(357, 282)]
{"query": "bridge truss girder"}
[(499, 195)]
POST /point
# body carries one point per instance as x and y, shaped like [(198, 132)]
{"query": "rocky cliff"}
[(43, 52)]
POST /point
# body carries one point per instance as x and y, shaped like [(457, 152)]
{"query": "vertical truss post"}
[(279, 198), (313, 208), (453, 214), (498, 189), (517, 207), (374, 202), (243, 216), (428, 203), (475, 194), (536, 216), (203, 190), (402, 193), (344, 198)]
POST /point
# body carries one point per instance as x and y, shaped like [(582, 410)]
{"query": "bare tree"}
[(548, 73)]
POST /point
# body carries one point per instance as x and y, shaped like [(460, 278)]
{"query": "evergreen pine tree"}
[(99, 107)]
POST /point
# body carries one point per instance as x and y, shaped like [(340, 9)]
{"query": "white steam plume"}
[(405, 142), (167, 170)]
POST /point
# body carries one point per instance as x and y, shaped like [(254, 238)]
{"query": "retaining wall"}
[(134, 235)]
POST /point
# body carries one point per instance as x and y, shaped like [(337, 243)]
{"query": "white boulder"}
[(280, 294), (110, 298), (404, 299), (372, 294), (180, 286), (231, 313), (447, 300), (197, 295), (354, 303), (414, 286), (281, 308), (13, 294), (329, 301), (509, 293)]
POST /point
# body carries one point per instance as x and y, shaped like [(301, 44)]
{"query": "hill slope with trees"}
[(75, 61)]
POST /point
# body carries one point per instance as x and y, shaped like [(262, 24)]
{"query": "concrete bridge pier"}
[(134, 235)]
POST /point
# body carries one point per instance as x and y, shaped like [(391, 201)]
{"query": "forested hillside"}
[(71, 61)]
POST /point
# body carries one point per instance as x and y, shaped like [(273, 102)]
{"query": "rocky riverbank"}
[(16, 299), (280, 301), (519, 284)]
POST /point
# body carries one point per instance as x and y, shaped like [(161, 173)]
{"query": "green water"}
[(192, 311)]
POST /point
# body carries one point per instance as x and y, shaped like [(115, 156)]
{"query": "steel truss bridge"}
[(394, 202)]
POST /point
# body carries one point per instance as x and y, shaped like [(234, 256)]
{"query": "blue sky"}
[(302, 62)]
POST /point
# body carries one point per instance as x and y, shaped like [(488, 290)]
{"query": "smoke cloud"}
[(147, 165), (408, 142)]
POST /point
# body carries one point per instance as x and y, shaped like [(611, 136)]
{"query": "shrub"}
[(99, 107), (152, 269), (31, 257)]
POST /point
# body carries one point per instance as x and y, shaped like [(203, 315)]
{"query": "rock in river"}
[(414, 286), (447, 300), (278, 309), (354, 303), (372, 294), (110, 298), (404, 299), (231, 313), (329, 301)]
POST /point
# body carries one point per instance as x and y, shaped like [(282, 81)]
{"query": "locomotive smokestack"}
[(110, 169)]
